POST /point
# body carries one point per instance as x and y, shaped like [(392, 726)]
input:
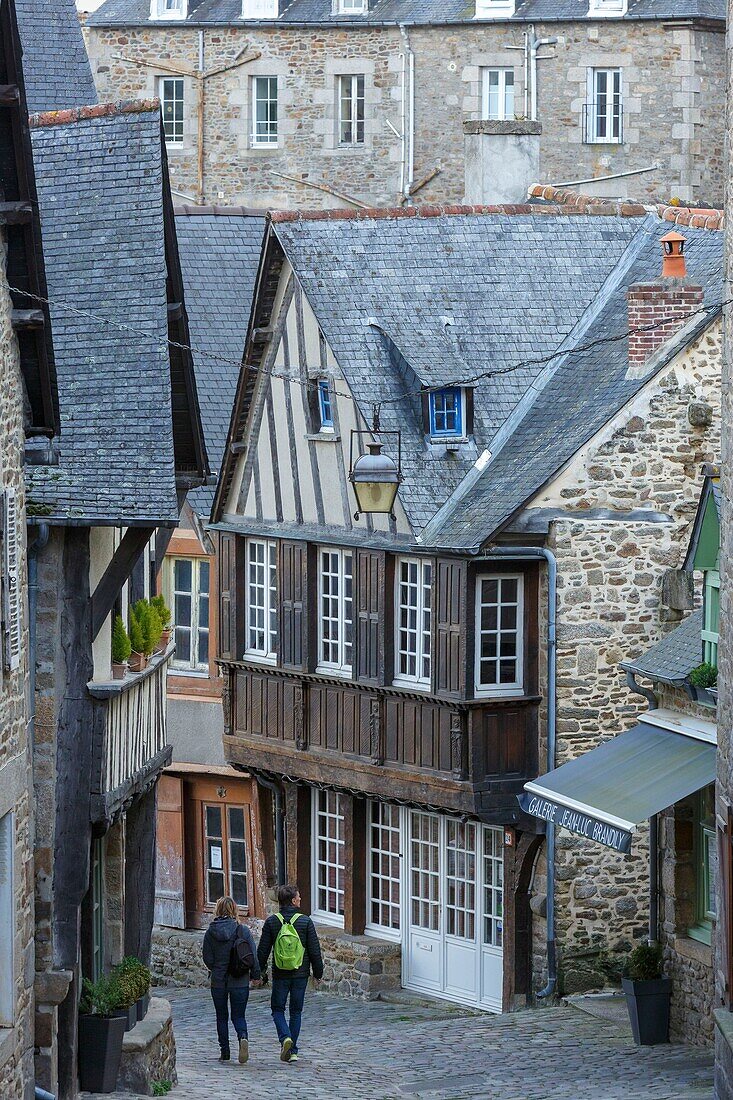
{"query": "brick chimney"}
[(661, 307)]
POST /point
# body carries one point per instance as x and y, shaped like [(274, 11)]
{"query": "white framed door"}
[(452, 910)]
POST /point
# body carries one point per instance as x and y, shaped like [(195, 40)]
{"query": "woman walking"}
[(230, 956)]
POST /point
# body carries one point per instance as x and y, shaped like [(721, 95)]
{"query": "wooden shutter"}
[(293, 611), (370, 617), (229, 650), (450, 627), (12, 594)]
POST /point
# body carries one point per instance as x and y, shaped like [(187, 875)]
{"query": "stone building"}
[(315, 104), (572, 451), (29, 418), (102, 501)]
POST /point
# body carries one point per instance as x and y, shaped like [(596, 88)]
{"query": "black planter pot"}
[(142, 1006), (648, 1005), (129, 1015), (100, 1050)]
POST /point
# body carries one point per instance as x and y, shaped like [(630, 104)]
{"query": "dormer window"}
[(350, 7), (168, 9), (447, 413), (495, 9), (259, 9), (324, 406), (607, 9)]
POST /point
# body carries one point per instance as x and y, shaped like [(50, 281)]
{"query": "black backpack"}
[(241, 955)]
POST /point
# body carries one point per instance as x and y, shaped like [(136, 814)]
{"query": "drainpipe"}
[(408, 128), (39, 543), (535, 45), (649, 695), (403, 123), (41, 1094), (281, 866), (523, 553)]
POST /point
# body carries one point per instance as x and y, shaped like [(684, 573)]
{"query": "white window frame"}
[(269, 142), (351, 7), (498, 690), (162, 81), (495, 9), (7, 920), (267, 654), (421, 635), (168, 9), (342, 666), (372, 927), (591, 124), (710, 636), (192, 667), (503, 72), (333, 812), (607, 9), (353, 80), (260, 9), (12, 591)]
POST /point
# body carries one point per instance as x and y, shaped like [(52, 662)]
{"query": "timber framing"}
[(19, 214), (117, 572)]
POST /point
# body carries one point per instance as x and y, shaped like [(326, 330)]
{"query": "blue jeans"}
[(237, 998), (282, 988)]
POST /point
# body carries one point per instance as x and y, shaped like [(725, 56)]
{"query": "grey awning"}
[(605, 793)]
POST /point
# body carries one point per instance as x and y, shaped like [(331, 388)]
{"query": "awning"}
[(607, 792)]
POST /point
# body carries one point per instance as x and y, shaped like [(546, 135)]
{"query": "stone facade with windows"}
[(612, 96)]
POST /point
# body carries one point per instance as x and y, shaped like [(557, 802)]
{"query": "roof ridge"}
[(222, 211), (437, 210), (96, 110), (695, 217)]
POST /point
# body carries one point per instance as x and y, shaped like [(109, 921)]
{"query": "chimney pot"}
[(674, 265)]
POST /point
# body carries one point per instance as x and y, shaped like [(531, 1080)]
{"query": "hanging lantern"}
[(376, 479)]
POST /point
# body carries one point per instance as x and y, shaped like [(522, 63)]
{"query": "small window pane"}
[(183, 573), (213, 821), (236, 823)]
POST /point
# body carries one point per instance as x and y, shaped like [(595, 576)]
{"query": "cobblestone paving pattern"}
[(376, 1051)]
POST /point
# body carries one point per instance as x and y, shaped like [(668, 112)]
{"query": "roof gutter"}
[(529, 553)]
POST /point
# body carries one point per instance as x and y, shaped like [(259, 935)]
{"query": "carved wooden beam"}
[(123, 562)]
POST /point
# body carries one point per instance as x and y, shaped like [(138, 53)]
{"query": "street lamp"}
[(376, 477)]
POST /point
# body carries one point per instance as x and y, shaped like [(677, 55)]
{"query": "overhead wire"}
[(493, 372)]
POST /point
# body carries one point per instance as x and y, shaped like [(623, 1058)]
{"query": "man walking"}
[(292, 938)]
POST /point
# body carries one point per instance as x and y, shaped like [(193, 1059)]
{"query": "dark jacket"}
[(306, 929), (217, 951)]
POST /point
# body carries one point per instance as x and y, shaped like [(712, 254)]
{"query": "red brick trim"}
[(97, 110), (222, 211), (677, 215)]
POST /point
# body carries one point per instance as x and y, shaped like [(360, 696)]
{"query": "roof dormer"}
[(607, 9), (260, 9), (350, 7), (168, 9), (495, 9)]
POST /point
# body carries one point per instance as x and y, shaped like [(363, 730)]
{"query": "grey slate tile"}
[(675, 656), (55, 63)]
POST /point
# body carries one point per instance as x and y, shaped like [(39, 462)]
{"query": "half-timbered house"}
[(101, 503), (396, 678)]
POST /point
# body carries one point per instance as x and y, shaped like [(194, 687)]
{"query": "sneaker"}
[(224, 1056), (285, 1049), (243, 1051), (293, 1057)]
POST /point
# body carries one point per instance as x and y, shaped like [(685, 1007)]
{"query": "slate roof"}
[(101, 202), (577, 395), (228, 12), (220, 255), (513, 286), (55, 62), (673, 658)]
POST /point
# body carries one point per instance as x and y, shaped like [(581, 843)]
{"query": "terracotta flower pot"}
[(119, 670), (165, 640), (137, 661)]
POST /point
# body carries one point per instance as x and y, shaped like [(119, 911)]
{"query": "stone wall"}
[(667, 118), (354, 966), (16, 1044), (149, 1051), (610, 610)]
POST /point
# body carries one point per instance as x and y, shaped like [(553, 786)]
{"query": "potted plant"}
[(151, 626), (702, 683), (139, 978), (164, 614), (121, 649), (100, 1035), (137, 660), (648, 994), (127, 1002)]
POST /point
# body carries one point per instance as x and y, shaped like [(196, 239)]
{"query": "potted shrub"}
[(702, 682), (647, 995), (151, 626), (121, 649), (137, 643), (164, 613), (139, 977), (100, 1035), (127, 1002)]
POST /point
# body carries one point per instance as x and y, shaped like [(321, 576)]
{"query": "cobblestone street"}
[(394, 1051)]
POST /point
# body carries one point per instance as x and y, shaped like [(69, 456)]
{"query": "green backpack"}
[(289, 952)]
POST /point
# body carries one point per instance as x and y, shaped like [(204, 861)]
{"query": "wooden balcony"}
[(468, 756), (130, 736)]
